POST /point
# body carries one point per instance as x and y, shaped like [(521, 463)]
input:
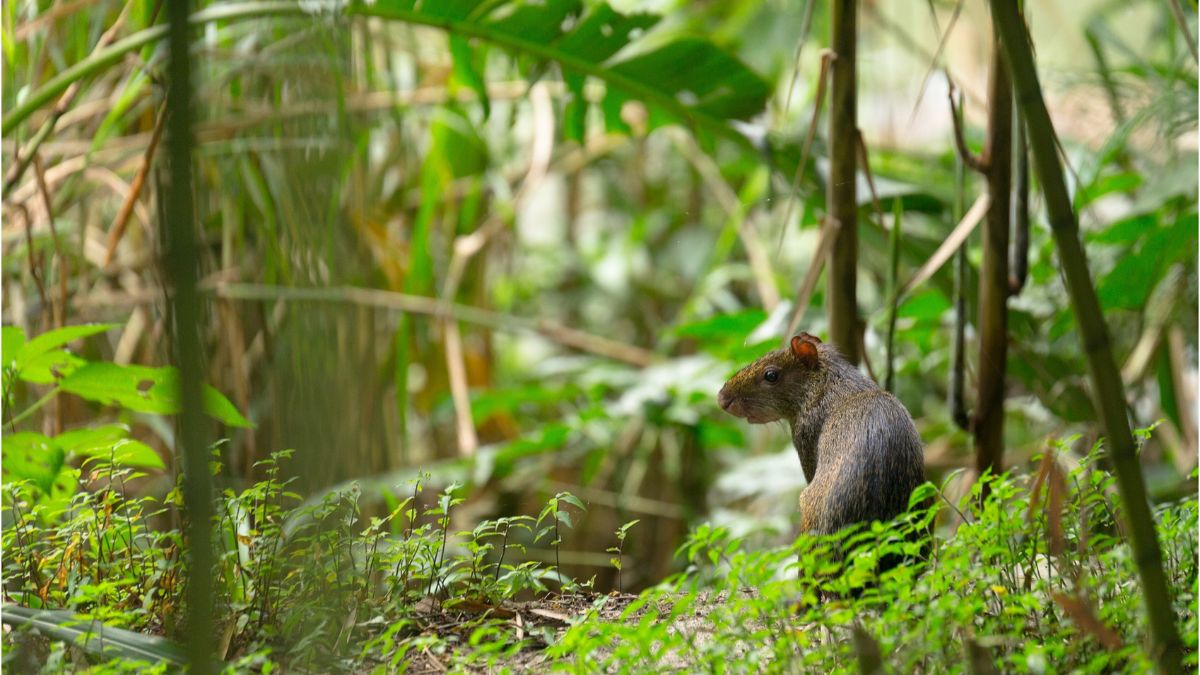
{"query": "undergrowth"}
[(1034, 578)]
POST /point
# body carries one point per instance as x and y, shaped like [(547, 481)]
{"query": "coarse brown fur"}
[(858, 446)]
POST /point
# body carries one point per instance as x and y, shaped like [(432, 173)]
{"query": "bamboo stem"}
[(841, 192), (1106, 381), (993, 274), (181, 267)]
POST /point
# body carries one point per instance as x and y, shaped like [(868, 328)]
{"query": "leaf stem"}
[(33, 408)]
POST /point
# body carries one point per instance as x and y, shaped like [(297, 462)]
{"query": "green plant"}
[(1038, 574), (616, 560)]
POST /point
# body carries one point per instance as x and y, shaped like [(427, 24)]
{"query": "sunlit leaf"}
[(59, 337), (143, 389)]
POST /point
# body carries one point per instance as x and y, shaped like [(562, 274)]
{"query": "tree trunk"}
[(1106, 381), (993, 273), (841, 197)]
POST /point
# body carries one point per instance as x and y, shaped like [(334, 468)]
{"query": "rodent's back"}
[(870, 459)]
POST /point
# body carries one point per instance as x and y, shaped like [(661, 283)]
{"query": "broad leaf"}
[(48, 367), (33, 457), (688, 80), (109, 442), (57, 338), (144, 389)]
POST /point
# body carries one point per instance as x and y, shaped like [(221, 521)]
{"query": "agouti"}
[(858, 446)]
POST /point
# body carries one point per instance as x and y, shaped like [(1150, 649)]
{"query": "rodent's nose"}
[(724, 399)]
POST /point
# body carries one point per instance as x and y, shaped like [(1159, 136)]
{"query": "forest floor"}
[(545, 620)]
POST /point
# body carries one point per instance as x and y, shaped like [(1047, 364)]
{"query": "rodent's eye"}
[(771, 376)]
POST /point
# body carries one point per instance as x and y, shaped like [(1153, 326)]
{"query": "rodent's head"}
[(775, 386)]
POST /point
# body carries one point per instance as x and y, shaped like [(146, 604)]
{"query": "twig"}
[(866, 165), (827, 57), (959, 235), (976, 162), (135, 189), (937, 55), (424, 305), (59, 307), (735, 212), (1181, 19), (828, 234), (35, 265), (21, 162)]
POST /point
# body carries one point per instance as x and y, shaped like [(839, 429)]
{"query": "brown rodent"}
[(858, 446)]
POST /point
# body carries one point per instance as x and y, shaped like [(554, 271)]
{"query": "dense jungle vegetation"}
[(386, 335)]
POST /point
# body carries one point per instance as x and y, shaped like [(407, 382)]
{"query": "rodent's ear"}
[(809, 337), (805, 350)]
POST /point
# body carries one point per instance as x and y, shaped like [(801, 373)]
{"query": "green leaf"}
[(49, 367), (62, 490), (1126, 181), (58, 338), (13, 342), (127, 452), (690, 80), (565, 519), (137, 388), (572, 500), (465, 72), (216, 405), (32, 457), (90, 440), (94, 637), (144, 389)]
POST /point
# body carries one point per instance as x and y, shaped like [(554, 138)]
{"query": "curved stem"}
[(34, 408)]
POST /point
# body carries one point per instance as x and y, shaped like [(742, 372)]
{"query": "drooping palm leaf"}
[(689, 79)]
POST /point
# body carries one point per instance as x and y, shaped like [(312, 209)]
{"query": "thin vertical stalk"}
[(841, 198), (1018, 268), (893, 294), (993, 273), (957, 403), (180, 266), (1106, 380)]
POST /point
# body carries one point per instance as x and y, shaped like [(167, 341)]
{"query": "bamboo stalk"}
[(958, 363), (993, 274), (1106, 381), (181, 267), (841, 191)]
